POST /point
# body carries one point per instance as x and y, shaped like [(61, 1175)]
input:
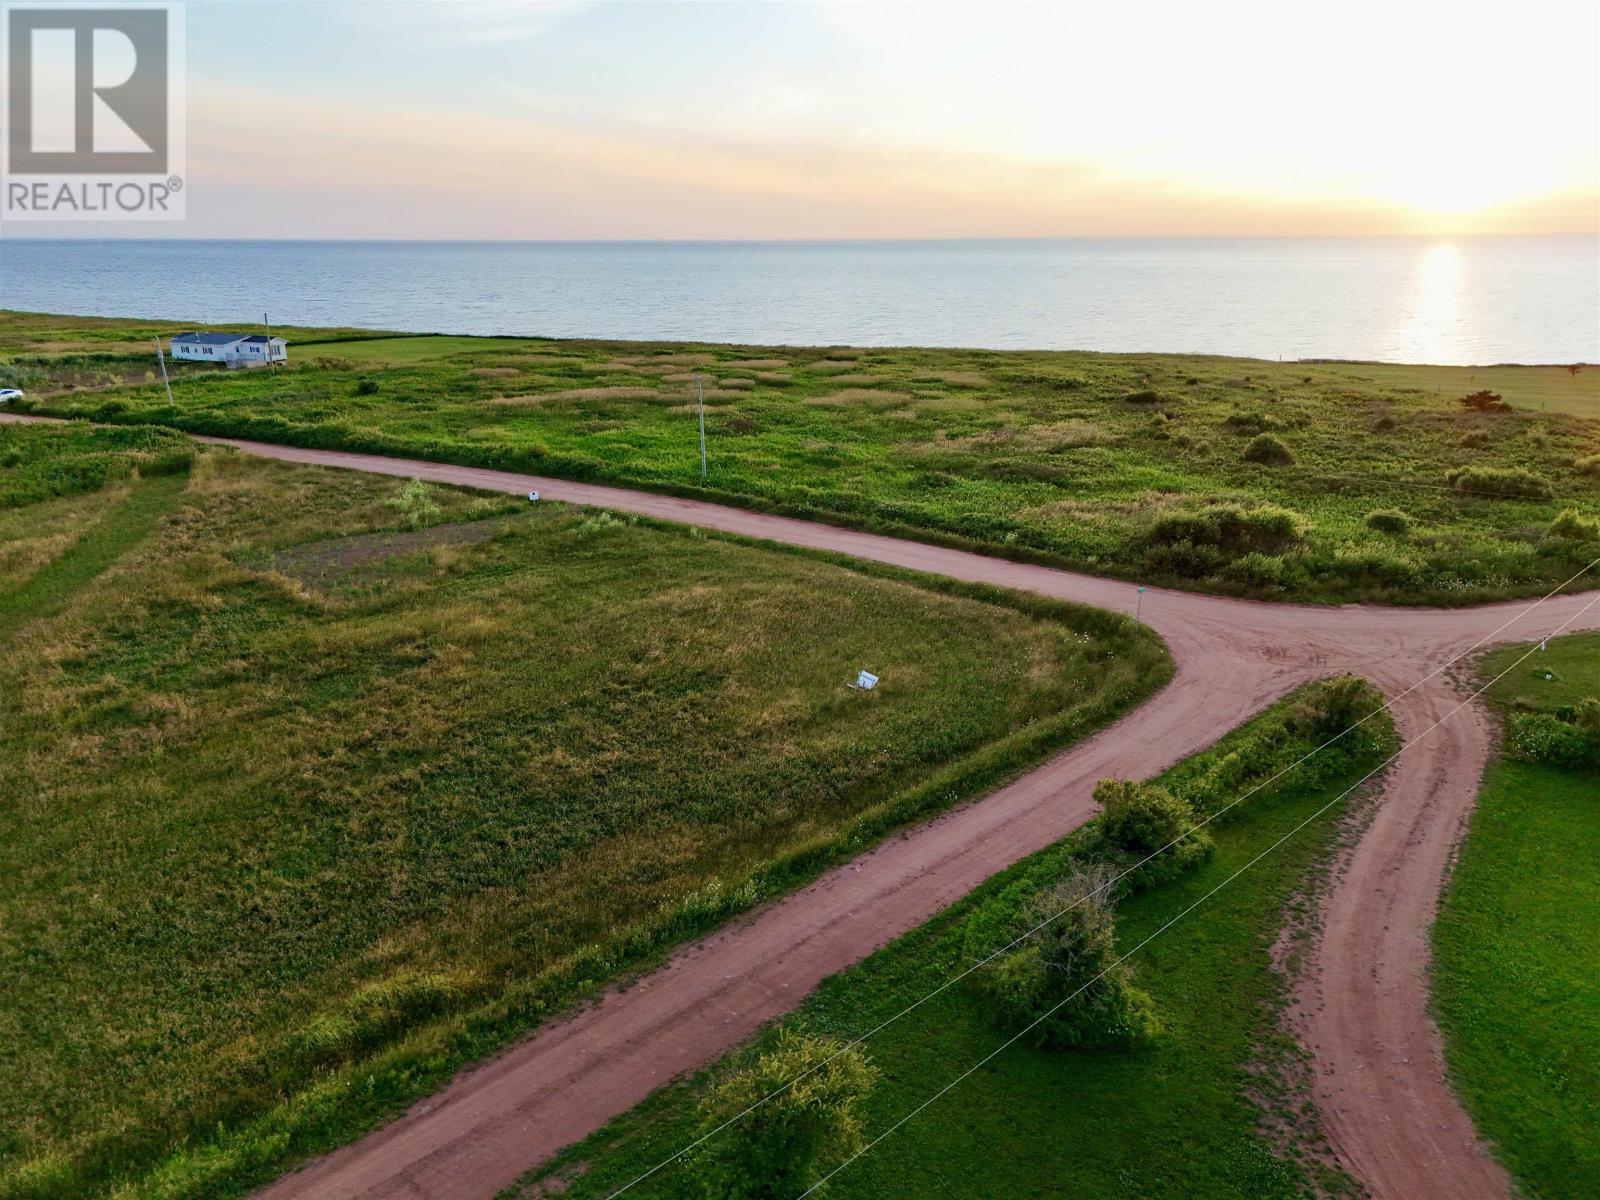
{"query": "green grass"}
[(304, 808), (1538, 389), (1072, 458), (1517, 959), (1187, 1117)]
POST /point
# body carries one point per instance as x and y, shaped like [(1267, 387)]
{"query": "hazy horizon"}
[(825, 122)]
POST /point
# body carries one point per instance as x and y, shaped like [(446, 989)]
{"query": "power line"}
[(979, 964), (1174, 920)]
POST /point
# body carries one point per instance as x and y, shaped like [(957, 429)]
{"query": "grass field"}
[(1552, 389), (1161, 468), (1207, 1110), (317, 787), (1517, 958)]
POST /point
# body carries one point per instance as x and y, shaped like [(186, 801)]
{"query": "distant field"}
[(1517, 959), (1537, 389), (404, 351), (1331, 482), (1206, 1110), (305, 807)]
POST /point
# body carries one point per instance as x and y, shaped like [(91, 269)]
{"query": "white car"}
[(7, 395)]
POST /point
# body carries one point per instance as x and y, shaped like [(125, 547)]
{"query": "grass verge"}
[(1201, 1111), (1516, 958)]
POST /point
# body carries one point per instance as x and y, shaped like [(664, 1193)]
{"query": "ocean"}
[(1463, 300)]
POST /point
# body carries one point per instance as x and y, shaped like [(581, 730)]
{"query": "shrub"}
[(1569, 524), (415, 502), (1385, 425), (1257, 570), (1063, 984), (1484, 401), (1512, 483), (1268, 451), (781, 1148), (1473, 439), (1587, 717), (1061, 381), (1266, 527), (366, 386), (1389, 520), (1336, 706), (1252, 422), (1589, 465), (1145, 396), (1546, 739), (1144, 819)]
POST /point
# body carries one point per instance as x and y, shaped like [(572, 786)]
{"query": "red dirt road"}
[(1378, 1075)]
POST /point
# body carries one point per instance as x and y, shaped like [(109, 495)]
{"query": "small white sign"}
[(866, 681), (533, 497)]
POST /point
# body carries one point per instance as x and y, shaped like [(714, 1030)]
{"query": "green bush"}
[(1587, 718), (1511, 483), (366, 386), (1336, 705), (1484, 401), (1589, 465), (1389, 520), (1473, 439), (1145, 396), (1547, 739), (1266, 527), (415, 502), (1138, 820), (1063, 984), (1268, 451), (1569, 524), (780, 1149), (1253, 422), (1042, 377)]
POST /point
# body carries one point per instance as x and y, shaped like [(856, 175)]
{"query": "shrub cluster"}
[(1389, 520), (1484, 401), (1568, 737), (1589, 465), (1569, 523), (1141, 820), (811, 1087), (1266, 527), (1514, 483), (415, 502), (1063, 984), (1267, 450)]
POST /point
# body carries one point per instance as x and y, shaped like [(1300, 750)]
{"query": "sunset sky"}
[(511, 120)]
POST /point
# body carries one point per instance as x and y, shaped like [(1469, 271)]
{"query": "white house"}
[(230, 349)]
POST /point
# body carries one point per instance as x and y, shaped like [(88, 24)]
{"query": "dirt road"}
[(1378, 1072)]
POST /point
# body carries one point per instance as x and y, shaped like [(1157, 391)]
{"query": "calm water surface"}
[(1470, 300)]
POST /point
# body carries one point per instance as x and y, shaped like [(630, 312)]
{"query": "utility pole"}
[(271, 364), (700, 395), (162, 359)]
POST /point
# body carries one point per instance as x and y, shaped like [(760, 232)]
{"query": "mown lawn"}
[(303, 807), (1209, 1109), (1517, 944), (1161, 468)]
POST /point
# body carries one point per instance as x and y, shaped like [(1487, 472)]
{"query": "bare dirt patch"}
[(320, 564)]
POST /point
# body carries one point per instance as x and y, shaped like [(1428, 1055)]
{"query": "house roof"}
[(207, 339), (220, 339)]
